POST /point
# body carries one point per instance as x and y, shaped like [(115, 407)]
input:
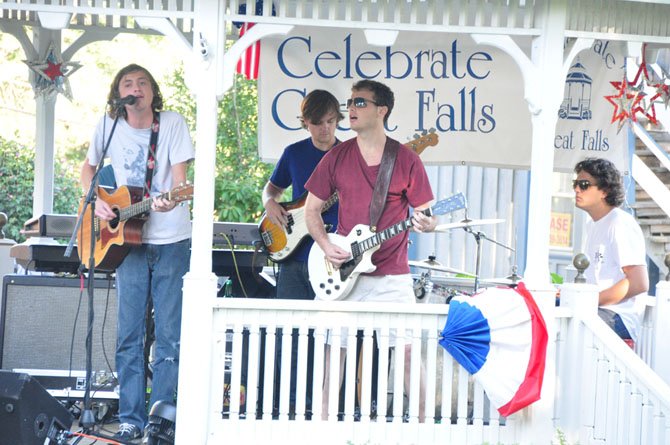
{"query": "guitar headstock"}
[(451, 204), (182, 192), (420, 143)]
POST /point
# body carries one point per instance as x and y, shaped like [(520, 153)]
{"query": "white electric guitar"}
[(330, 283)]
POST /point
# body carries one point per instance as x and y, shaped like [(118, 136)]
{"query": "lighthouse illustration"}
[(577, 98)]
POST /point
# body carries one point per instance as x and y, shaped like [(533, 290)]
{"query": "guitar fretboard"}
[(386, 234), (139, 207)]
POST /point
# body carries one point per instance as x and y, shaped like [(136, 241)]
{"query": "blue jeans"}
[(293, 281), (156, 271), (615, 322)]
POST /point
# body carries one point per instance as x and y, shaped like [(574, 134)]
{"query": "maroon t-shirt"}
[(344, 170)]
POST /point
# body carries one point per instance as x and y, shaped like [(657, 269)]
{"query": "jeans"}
[(615, 322), (156, 271), (293, 284)]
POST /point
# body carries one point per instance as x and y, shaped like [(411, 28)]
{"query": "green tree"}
[(240, 174), (17, 174)]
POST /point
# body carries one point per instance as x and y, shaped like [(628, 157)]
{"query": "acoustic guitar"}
[(114, 238)]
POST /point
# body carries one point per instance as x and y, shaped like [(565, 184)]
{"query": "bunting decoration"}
[(500, 337), (52, 74)]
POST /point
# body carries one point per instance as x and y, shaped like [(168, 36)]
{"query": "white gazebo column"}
[(543, 75), (43, 190), (195, 356)]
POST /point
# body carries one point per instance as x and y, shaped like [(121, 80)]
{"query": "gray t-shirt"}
[(128, 154)]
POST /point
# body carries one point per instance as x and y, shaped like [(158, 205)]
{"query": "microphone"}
[(128, 100)]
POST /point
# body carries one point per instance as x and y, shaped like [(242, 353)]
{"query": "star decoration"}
[(625, 102), (52, 74), (661, 92)]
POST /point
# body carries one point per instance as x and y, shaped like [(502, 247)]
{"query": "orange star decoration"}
[(52, 74)]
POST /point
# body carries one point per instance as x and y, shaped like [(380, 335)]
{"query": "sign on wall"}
[(584, 127), (471, 95)]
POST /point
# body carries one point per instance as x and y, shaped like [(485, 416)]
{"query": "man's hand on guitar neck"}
[(422, 223), (159, 204)]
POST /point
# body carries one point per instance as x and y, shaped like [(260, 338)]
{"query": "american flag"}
[(250, 58)]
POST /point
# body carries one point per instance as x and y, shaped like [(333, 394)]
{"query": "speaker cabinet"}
[(28, 413), (44, 321)]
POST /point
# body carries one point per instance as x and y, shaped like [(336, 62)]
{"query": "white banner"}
[(470, 95), (584, 127)]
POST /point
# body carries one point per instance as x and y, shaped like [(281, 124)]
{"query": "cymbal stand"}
[(478, 261)]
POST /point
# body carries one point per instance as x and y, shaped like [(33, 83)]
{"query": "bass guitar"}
[(330, 283), (282, 242), (114, 238)]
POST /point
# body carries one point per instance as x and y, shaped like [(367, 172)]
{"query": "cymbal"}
[(467, 223), (501, 281), (434, 265)]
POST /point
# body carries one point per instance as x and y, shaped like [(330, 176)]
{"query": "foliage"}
[(16, 182), (240, 174)]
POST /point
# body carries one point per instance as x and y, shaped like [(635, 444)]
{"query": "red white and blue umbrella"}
[(499, 336)]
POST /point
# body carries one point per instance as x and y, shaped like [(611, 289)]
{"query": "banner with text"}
[(470, 95), (585, 127)]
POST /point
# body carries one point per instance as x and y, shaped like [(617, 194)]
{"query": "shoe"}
[(128, 431)]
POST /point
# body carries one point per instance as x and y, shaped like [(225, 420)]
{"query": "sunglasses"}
[(583, 184), (360, 102)]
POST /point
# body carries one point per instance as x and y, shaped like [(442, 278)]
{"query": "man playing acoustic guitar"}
[(351, 169), (154, 268)]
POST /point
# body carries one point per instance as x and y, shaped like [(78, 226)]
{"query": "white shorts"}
[(379, 289)]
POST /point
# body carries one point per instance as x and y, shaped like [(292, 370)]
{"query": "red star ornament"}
[(52, 74), (624, 101)]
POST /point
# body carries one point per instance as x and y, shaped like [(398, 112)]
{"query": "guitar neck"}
[(386, 234), (139, 207), (329, 203)]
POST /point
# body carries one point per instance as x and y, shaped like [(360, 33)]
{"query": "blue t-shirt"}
[(294, 169)]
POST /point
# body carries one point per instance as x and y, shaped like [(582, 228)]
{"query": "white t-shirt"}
[(128, 153), (612, 242)]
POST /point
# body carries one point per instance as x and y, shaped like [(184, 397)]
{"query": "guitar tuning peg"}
[(424, 132), (416, 136), (432, 130)]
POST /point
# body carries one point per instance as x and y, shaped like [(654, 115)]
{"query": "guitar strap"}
[(151, 155), (383, 180)]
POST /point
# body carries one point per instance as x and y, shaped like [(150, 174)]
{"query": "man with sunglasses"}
[(351, 170), (615, 247)]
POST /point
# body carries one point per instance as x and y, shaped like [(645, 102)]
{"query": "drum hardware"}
[(466, 223), (437, 267)]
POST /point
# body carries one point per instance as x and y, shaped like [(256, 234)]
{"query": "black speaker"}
[(44, 321), (28, 414)]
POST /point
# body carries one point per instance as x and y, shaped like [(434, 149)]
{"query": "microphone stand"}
[(87, 418)]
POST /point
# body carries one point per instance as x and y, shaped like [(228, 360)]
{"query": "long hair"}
[(608, 178), (113, 96)]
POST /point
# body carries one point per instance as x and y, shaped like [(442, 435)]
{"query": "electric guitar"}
[(282, 242), (330, 283), (114, 238)]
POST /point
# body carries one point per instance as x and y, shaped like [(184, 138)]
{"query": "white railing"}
[(605, 391), (258, 407)]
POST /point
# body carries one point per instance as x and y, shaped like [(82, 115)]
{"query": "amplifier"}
[(43, 324)]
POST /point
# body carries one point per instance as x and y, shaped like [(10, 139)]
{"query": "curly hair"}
[(316, 105), (608, 178), (113, 96), (382, 94)]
